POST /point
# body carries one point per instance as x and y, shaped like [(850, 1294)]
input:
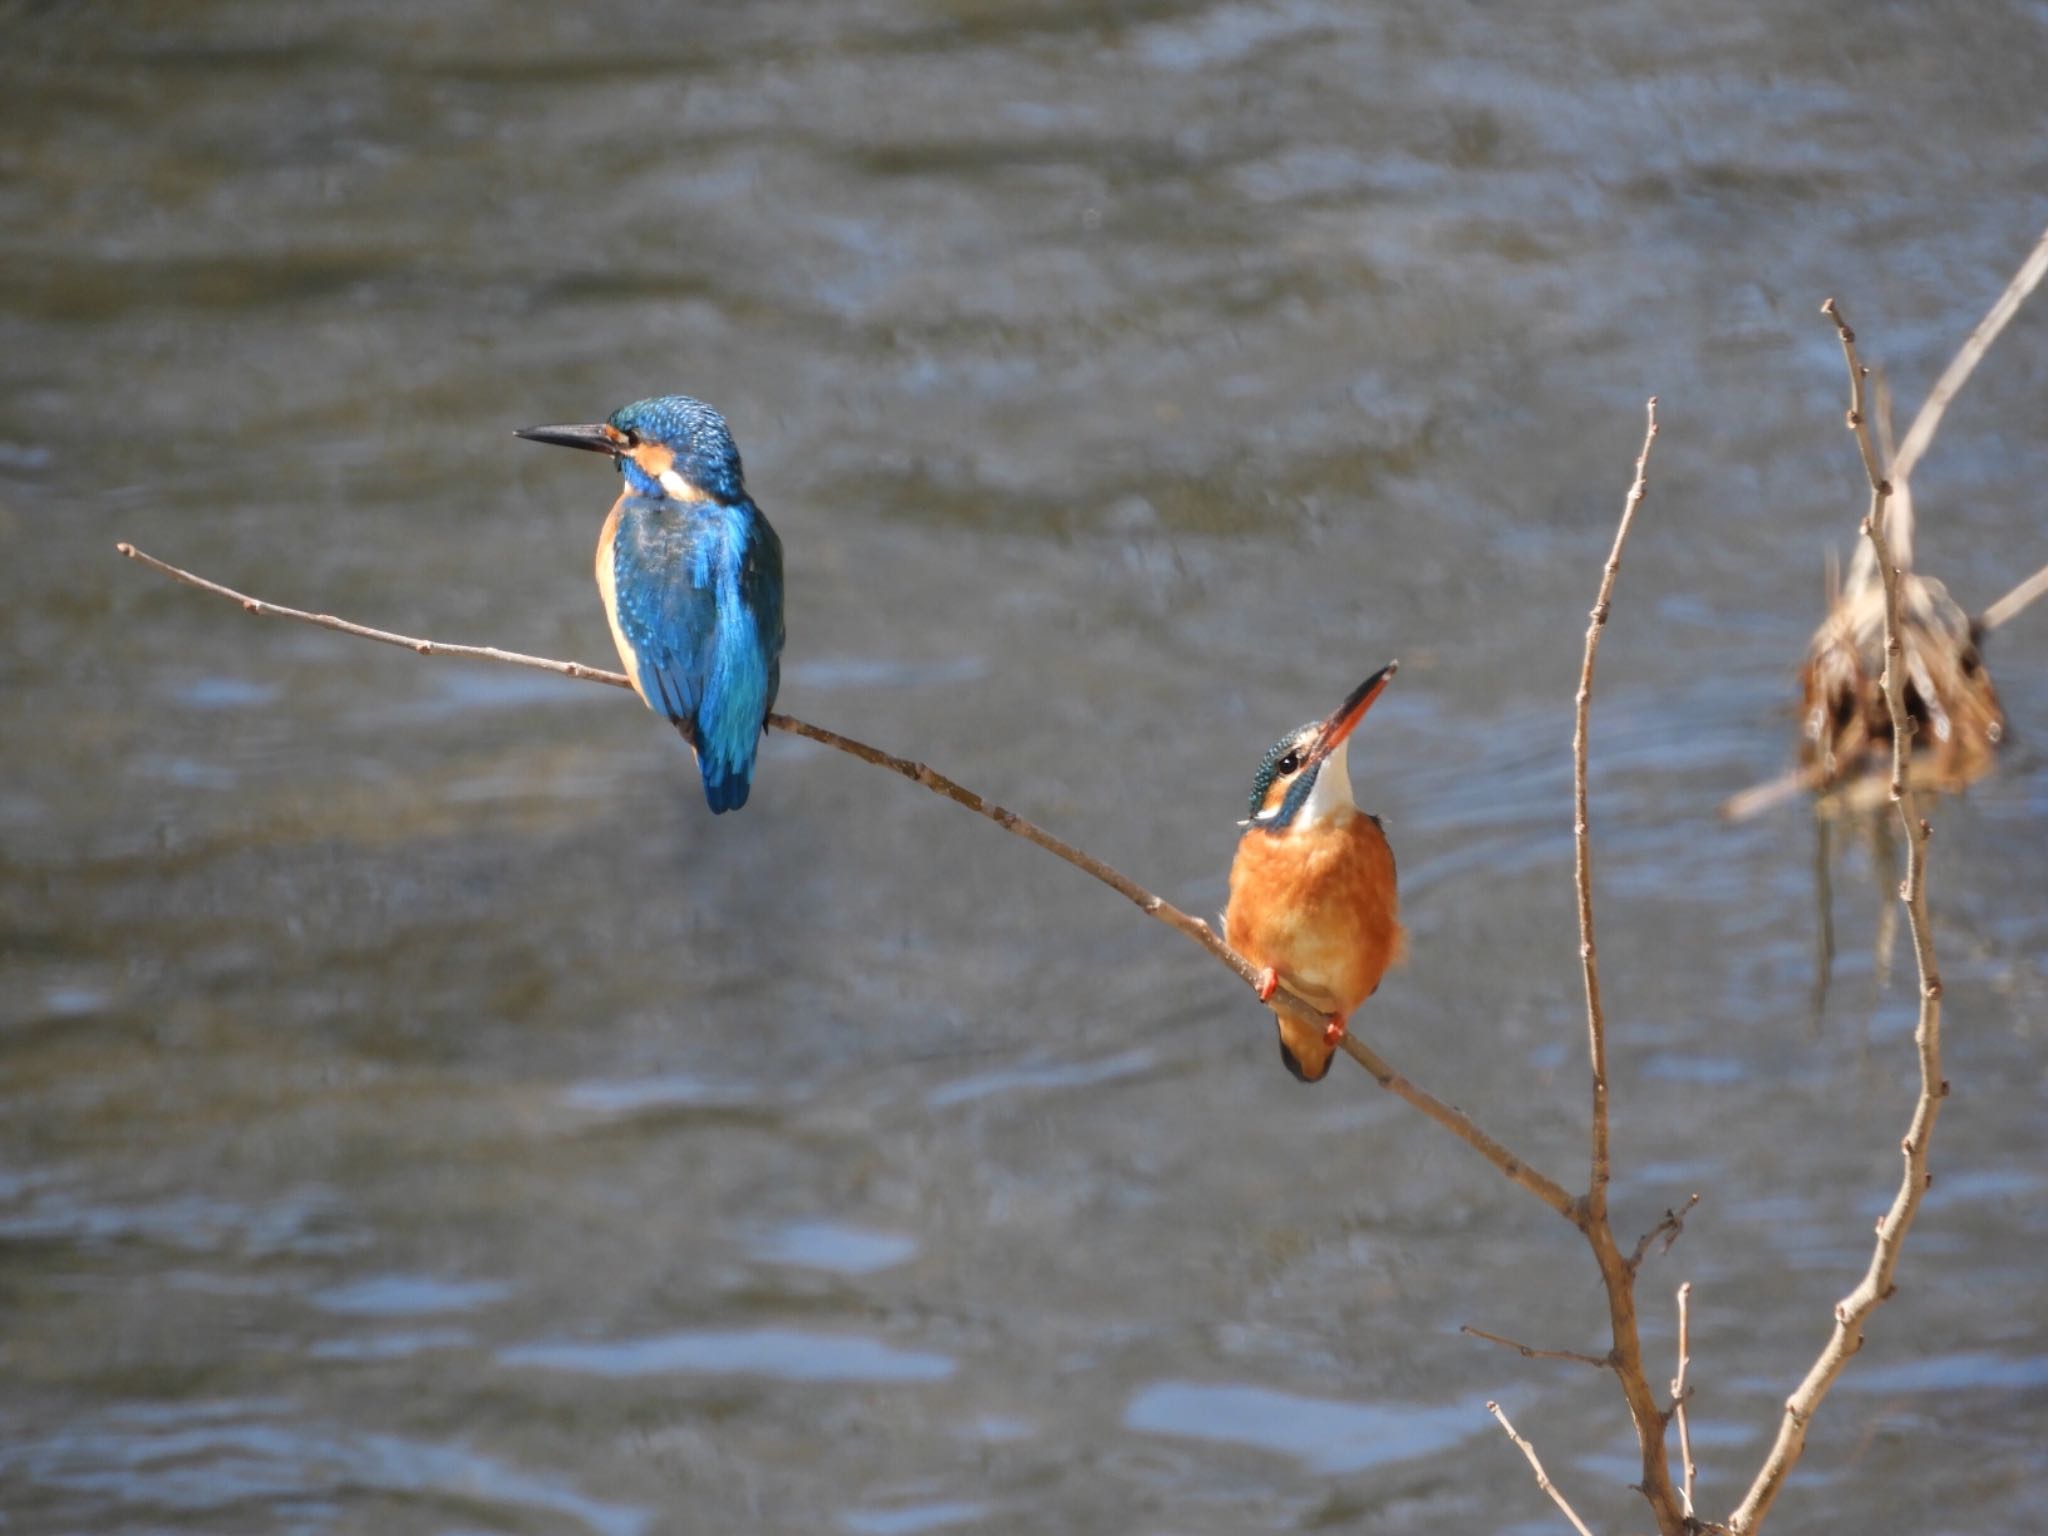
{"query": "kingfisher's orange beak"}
[(1350, 712)]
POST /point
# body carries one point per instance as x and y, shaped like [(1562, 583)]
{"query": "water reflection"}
[(836, 1246), (211, 1462), (407, 1296), (1325, 1436), (911, 1519), (786, 1354)]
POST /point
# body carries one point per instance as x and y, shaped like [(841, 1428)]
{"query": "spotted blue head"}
[(669, 448), (1307, 769)]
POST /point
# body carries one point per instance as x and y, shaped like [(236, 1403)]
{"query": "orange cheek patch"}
[(659, 465), (654, 459), (1276, 792)]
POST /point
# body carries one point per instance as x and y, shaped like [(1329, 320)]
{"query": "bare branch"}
[(1542, 1478), (1852, 1312), (1598, 1362), (1680, 1392), (1596, 1023), (2015, 602), (1617, 1272), (1668, 1227), (1448, 1116)]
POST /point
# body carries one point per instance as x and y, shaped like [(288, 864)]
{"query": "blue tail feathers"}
[(726, 785)]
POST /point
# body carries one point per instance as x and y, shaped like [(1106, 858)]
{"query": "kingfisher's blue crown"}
[(705, 454)]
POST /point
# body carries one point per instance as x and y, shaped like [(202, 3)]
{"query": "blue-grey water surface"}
[(418, 1114)]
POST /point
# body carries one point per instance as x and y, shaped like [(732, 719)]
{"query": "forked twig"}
[(1542, 1478), (1668, 1227)]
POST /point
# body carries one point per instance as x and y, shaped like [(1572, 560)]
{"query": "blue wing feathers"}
[(699, 592)]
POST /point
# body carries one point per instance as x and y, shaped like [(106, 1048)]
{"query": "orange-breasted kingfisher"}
[(1312, 900), (691, 577)]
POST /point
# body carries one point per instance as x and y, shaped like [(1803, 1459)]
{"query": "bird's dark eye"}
[(1288, 763)]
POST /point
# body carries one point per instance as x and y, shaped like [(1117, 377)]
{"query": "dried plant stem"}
[(1876, 1287), (1759, 798), (1921, 434), (1446, 1115), (1680, 1392), (1542, 1478), (2015, 602)]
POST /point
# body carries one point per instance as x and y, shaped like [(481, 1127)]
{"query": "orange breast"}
[(1318, 905), (607, 591)]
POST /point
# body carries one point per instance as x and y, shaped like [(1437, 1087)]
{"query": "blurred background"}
[(418, 1114)]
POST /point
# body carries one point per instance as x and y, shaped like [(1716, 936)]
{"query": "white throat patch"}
[(678, 488), (1329, 798)]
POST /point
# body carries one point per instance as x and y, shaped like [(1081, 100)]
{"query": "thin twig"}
[(1596, 1024), (1528, 1352), (1668, 1227), (1617, 1274), (1877, 1285), (257, 605), (2015, 602), (1448, 1116), (1542, 1478), (1680, 1393)]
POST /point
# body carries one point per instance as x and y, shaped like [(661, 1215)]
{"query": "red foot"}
[(1334, 1030), (1267, 984)]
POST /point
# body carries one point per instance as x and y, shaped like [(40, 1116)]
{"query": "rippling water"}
[(420, 1115)]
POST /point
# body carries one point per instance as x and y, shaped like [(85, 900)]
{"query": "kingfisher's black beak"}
[(598, 438), (1345, 720)]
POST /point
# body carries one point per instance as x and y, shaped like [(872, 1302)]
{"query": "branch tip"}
[(1542, 1478)]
